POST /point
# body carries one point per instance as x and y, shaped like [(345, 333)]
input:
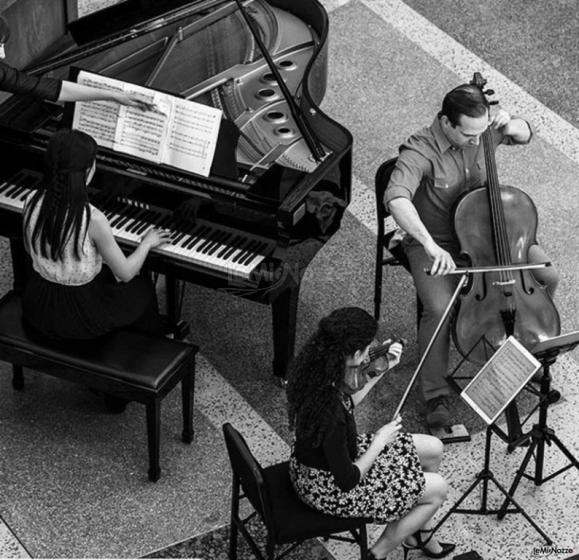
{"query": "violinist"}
[(390, 476), (435, 166)]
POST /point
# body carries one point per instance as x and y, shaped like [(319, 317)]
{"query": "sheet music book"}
[(499, 381), (563, 343), (179, 132)]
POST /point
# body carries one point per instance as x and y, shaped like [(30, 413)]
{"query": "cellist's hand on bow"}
[(442, 261)]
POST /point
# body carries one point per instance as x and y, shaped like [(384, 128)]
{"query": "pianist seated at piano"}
[(81, 285), (15, 81)]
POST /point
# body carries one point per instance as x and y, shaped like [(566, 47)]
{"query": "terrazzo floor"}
[(72, 481)]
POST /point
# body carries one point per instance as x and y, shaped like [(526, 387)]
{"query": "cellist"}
[(435, 166)]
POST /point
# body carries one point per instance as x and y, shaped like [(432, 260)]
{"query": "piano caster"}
[(281, 382), (178, 330), (181, 330)]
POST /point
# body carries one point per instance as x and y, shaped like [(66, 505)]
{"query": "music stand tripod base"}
[(451, 434)]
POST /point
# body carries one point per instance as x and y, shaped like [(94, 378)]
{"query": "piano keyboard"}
[(204, 244)]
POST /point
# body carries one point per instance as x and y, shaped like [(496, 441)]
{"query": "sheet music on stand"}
[(500, 380), (179, 132)]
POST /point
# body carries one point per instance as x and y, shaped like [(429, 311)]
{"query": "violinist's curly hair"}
[(62, 196), (466, 99), (316, 373)]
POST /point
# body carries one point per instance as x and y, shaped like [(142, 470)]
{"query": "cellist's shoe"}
[(437, 415)]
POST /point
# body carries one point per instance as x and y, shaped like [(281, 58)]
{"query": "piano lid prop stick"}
[(459, 287), (95, 47), (309, 136)]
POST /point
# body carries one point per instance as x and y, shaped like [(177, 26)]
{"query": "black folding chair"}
[(288, 521), (387, 253)]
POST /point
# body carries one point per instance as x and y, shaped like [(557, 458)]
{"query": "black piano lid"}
[(285, 203), (120, 17)]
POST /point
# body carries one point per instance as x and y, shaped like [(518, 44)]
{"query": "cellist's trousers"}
[(435, 293)]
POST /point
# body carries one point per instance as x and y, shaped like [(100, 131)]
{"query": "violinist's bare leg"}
[(430, 450), (548, 276), (417, 518)]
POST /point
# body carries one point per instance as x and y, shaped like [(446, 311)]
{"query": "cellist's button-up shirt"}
[(433, 174)]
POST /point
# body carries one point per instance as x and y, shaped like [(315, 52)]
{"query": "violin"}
[(378, 353), (496, 225)]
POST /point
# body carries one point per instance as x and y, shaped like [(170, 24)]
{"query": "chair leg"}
[(233, 531), (153, 436), (187, 397), (363, 542), (378, 281), (17, 378)]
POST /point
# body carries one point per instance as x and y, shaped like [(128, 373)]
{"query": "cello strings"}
[(497, 213)]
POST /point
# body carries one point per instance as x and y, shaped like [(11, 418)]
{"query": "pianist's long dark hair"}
[(62, 196), (313, 390)]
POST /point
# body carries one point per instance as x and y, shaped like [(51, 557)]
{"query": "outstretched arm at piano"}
[(71, 91), (123, 267)]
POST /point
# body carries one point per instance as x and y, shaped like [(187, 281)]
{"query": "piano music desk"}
[(135, 366)]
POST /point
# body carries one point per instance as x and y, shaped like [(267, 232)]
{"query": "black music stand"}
[(514, 426), (502, 365), (546, 352)]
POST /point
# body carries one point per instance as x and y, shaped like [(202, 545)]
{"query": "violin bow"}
[(414, 377)]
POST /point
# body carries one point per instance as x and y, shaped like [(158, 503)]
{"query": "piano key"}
[(196, 237), (208, 246)]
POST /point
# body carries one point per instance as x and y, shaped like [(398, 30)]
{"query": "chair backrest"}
[(249, 473), (381, 180)]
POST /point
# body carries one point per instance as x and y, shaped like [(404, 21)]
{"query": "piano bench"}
[(131, 365)]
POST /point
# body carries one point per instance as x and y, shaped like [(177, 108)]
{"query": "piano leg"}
[(284, 313), (173, 311), (177, 326)]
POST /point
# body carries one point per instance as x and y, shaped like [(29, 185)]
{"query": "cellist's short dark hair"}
[(465, 99)]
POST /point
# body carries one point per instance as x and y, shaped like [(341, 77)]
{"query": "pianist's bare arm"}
[(71, 91), (123, 267)]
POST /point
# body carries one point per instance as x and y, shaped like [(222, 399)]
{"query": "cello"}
[(496, 225)]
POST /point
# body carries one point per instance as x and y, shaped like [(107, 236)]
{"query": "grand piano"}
[(281, 176)]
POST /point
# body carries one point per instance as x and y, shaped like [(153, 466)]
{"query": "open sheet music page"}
[(177, 132), (98, 118), (500, 379), (143, 133), (193, 136)]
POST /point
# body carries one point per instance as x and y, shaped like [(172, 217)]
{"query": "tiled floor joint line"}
[(447, 51)]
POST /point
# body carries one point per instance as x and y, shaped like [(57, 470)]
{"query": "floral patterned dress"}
[(389, 490)]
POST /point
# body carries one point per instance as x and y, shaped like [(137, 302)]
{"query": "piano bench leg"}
[(187, 397), (17, 378), (153, 435)]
